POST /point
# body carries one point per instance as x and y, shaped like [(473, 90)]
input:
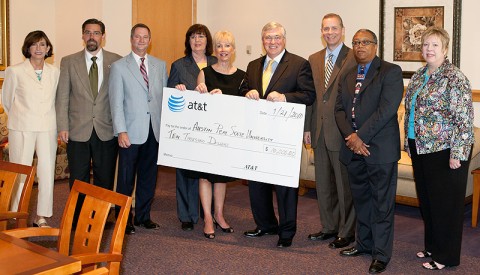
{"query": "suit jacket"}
[(375, 111), (134, 105), (292, 77), (30, 103), (77, 111), (185, 71), (322, 112)]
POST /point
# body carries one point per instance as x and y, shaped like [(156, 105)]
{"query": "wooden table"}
[(19, 256)]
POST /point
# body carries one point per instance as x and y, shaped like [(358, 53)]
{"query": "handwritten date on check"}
[(232, 136)]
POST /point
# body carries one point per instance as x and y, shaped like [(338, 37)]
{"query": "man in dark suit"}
[(284, 77), (136, 90), (84, 119), (333, 191), (366, 114)]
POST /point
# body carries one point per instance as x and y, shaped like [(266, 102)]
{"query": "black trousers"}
[(441, 192), (261, 202), (95, 154), (187, 197), (373, 189), (139, 160)]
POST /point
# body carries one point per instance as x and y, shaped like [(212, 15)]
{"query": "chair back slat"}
[(90, 231), (15, 178)]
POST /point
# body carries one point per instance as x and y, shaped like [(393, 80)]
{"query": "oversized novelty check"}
[(232, 136)]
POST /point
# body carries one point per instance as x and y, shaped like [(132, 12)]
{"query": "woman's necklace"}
[(39, 74)]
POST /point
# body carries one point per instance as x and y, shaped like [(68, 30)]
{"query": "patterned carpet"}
[(173, 251)]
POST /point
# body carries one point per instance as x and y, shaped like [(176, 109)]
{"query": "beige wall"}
[(302, 20), (62, 19)]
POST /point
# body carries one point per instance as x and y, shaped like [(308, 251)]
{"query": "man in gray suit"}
[(136, 90), (83, 111), (333, 192)]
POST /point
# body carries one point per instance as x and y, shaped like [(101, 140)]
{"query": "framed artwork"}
[(402, 23), (4, 36)]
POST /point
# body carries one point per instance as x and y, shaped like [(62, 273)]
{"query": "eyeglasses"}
[(95, 33), (198, 36), (275, 38), (363, 42)]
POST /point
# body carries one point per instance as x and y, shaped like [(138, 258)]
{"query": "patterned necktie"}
[(328, 69), (360, 78), (143, 70), (93, 76), (267, 75)]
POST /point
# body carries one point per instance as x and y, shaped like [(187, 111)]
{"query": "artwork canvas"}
[(410, 23)]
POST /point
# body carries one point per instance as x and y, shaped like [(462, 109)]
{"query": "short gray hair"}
[(273, 25)]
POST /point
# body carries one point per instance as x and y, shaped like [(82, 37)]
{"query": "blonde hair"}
[(224, 36), (438, 32)]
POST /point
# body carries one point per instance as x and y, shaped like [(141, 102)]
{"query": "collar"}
[(89, 56)]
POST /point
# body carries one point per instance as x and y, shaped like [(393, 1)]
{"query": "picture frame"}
[(4, 36), (401, 25)]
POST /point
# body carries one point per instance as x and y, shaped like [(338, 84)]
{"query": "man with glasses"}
[(283, 77), (83, 110), (366, 114), (334, 198)]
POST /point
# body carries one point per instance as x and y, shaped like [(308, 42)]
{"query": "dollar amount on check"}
[(232, 136)]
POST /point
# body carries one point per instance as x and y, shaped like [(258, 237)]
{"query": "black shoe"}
[(148, 224), (377, 267), (209, 235), (129, 229), (225, 230), (351, 252), (187, 226), (284, 242), (320, 236), (258, 233), (341, 242)]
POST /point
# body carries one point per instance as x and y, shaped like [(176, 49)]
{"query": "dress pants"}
[(187, 197), (139, 160), (261, 202), (96, 155), (333, 192), (374, 187), (22, 146), (441, 193)]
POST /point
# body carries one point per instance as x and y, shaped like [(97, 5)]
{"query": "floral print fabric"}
[(443, 111)]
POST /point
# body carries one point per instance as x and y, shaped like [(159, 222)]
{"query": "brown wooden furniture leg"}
[(476, 195)]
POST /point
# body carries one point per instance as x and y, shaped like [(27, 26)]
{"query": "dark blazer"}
[(185, 71), (292, 77), (322, 112), (77, 111), (375, 110)]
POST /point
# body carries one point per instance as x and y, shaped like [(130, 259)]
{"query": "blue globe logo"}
[(176, 104)]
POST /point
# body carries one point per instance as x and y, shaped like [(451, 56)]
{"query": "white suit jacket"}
[(133, 105), (29, 102)]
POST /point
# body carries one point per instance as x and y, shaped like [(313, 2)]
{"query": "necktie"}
[(143, 70), (267, 74), (328, 69), (360, 78), (93, 76)]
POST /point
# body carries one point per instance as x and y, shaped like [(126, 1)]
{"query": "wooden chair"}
[(9, 174), (89, 232)]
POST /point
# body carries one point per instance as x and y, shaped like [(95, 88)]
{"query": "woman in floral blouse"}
[(439, 127)]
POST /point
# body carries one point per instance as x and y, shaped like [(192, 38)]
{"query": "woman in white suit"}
[(28, 97)]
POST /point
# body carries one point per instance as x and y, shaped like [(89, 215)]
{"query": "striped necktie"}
[(267, 75), (143, 70), (328, 69)]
